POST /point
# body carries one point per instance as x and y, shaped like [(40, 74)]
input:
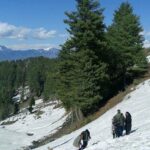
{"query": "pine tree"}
[(16, 108), (125, 40), (83, 67), (32, 102), (50, 86), (124, 33)]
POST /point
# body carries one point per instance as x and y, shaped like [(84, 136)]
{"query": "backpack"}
[(116, 120), (85, 135)]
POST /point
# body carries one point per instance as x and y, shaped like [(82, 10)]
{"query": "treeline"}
[(97, 61), (37, 73)]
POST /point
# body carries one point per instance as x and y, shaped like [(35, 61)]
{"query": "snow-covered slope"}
[(46, 120), (138, 104), (14, 136)]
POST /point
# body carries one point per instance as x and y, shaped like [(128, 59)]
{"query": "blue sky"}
[(39, 23)]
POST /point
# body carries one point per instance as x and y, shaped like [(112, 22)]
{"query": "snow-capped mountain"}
[(9, 54)]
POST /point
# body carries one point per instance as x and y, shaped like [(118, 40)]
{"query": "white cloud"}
[(142, 33), (147, 43), (11, 31), (42, 33), (65, 35), (146, 33), (31, 46)]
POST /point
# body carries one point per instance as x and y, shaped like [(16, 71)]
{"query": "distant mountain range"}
[(9, 54)]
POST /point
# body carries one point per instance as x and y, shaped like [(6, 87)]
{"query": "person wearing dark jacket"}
[(118, 123), (84, 137), (128, 122)]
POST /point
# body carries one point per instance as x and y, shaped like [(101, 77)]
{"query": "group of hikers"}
[(119, 124)]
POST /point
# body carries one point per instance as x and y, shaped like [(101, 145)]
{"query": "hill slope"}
[(31, 127), (138, 104)]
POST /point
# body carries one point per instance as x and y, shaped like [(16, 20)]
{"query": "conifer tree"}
[(83, 67), (16, 108), (32, 102), (125, 40)]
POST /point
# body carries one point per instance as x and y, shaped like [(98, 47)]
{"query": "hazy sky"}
[(39, 23)]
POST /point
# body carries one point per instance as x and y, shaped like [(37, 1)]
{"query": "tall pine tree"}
[(83, 67), (125, 40)]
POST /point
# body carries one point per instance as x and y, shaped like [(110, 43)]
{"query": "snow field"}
[(14, 136), (138, 104)]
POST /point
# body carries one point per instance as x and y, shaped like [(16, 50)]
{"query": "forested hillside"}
[(94, 63), (37, 73)]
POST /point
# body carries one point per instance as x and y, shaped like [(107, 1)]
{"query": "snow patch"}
[(31, 127), (148, 58)]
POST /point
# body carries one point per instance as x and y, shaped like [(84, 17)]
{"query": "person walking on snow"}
[(128, 122), (84, 137), (118, 123)]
